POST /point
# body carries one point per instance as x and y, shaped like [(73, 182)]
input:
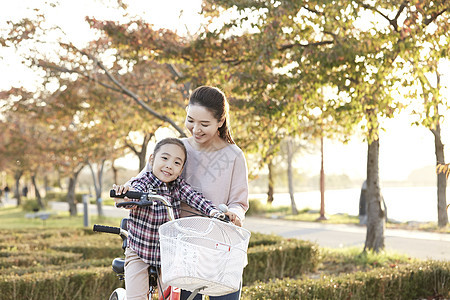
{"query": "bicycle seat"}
[(118, 265)]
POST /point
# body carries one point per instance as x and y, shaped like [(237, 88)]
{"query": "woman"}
[(215, 166)]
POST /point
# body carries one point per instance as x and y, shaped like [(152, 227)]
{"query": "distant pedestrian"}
[(25, 191), (363, 204), (6, 190)]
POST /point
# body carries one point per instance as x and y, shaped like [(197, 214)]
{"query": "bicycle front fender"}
[(118, 294)]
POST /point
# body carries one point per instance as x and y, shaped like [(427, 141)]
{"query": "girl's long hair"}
[(215, 101)]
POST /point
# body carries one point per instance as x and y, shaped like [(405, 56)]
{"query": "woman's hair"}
[(215, 101), (173, 141)]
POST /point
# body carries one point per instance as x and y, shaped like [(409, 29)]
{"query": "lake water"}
[(403, 203)]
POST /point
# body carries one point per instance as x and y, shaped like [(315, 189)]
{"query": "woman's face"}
[(202, 124)]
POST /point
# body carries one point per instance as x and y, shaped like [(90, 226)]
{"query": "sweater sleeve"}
[(238, 198)]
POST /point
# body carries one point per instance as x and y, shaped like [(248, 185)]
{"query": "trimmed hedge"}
[(37, 258), (427, 280), (92, 283), (76, 264), (53, 261), (257, 239), (287, 258)]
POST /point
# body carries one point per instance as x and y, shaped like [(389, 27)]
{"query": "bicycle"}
[(182, 242)]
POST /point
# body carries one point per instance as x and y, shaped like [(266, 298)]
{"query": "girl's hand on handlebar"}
[(122, 189)]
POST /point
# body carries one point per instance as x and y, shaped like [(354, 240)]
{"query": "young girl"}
[(167, 162), (216, 166)]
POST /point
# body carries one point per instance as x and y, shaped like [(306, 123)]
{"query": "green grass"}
[(353, 259), (14, 217), (312, 216), (257, 208)]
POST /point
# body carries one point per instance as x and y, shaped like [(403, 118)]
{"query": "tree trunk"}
[(98, 185), (290, 176), (143, 153), (441, 179), (71, 196), (375, 211), (71, 192), (36, 191), (322, 184), (17, 177), (115, 173), (46, 185), (270, 190)]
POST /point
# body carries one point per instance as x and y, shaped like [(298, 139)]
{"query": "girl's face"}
[(202, 124), (167, 163)]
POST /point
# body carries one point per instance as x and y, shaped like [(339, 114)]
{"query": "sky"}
[(403, 148)]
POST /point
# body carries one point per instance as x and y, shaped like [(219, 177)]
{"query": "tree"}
[(65, 60), (22, 140), (291, 148), (70, 66), (424, 65), (317, 44)]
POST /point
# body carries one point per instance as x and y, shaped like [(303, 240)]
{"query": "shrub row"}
[(427, 280), (263, 239), (37, 258), (76, 265), (53, 262), (287, 258), (92, 283)]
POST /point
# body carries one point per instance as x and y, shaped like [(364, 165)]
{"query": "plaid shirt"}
[(143, 236)]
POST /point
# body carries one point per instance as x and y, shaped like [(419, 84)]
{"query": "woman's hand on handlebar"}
[(234, 218), (122, 189)]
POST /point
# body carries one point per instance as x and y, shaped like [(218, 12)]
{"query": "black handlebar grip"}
[(129, 194), (107, 229)]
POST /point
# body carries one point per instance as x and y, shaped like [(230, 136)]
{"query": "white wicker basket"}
[(206, 253)]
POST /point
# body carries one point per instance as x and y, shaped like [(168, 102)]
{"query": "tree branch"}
[(392, 22), (289, 46), (83, 75), (136, 98), (401, 8), (177, 74), (131, 147), (434, 16)]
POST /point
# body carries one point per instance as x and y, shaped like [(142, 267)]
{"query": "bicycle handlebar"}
[(148, 199), (129, 194), (107, 229)]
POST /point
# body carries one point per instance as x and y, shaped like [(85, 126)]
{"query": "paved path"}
[(411, 242), (417, 244)]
